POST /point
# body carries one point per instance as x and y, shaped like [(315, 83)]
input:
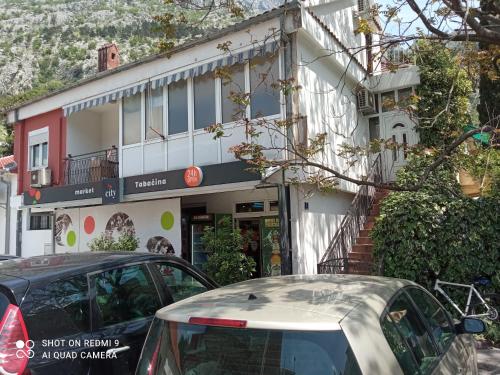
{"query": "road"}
[(488, 361)]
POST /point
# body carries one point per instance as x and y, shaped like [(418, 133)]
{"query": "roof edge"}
[(267, 15)]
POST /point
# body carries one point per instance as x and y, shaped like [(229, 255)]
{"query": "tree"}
[(226, 263), (304, 159)]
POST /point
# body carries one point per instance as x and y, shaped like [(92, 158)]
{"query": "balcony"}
[(90, 167)]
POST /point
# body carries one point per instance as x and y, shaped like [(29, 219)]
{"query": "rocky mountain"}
[(42, 41)]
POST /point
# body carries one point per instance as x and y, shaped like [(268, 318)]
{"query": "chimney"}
[(108, 57)]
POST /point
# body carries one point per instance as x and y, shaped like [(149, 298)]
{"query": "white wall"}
[(12, 179), (314, 228), (93, 130), (76, 227), (110, 127), (327, 99), (84, 133)]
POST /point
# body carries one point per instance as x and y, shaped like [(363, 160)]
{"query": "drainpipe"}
[(7, 213), (283, 190)]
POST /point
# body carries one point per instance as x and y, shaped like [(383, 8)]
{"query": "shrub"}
[(104, 242), (226, 263), (101, 243), (437, 232)]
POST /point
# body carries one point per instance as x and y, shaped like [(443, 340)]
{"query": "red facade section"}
[(56, 123)]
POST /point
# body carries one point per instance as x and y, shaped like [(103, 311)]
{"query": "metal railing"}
[(335, 259), (91, 167)]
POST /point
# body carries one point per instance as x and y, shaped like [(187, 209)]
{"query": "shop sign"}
[(62, 193), (193, 176), (110, 191)]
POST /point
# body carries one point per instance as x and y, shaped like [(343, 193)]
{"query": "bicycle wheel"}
[(478, 308), (493, 301)]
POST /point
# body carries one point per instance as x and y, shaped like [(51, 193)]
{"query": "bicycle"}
[(471, 309)]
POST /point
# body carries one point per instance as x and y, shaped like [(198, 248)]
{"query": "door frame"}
[(387, 122)]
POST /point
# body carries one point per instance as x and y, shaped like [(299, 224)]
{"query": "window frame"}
[(38, 133), (191, 133), (424, 318), (50, 216), (154, 268), (96, 316), (385, 312)]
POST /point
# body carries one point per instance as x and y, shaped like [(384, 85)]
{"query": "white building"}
[(127, 149)]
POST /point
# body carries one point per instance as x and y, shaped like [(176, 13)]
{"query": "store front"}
[(168, 212)]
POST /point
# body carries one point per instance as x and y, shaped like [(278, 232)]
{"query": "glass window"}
[(414, 334), (179, 348), (388, 101), (154, 113), (63, 307), (403, 354), (204, 101), (177, 107), (233, 89), (38, 148), (274, 206), (40, 221), (180, 283), (45, 153), (125, 294), (404, 96), (132, 119), (250, 207), (264, 93), (374, 128), (35, 156), (437, 320)]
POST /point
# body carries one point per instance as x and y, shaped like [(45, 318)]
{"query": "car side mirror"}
[(471, 325)]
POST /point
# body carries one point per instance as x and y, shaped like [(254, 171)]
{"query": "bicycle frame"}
[(472, 290)]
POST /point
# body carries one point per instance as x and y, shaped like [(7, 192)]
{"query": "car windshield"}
[(186, 349)]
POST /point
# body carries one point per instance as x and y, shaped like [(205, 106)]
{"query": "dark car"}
[(86, 313), (7, 257)]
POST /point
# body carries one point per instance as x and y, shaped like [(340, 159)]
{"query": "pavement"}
[(488, 361)]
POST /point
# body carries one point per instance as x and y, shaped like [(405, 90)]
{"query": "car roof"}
[(57, 265), (297, 302)]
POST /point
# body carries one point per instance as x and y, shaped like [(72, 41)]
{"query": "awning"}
[(165, 79)]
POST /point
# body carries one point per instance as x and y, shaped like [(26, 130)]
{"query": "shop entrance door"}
[(251, 228)]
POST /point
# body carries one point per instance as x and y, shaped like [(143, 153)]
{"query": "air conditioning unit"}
[(366, 102), (41, 177)]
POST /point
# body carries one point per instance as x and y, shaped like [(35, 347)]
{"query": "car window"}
[(180, 282), (405, 318), (436, 318), (188, 349), (59, 309), (125, 294)]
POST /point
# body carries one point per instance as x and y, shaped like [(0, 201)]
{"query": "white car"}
[(310, 325)]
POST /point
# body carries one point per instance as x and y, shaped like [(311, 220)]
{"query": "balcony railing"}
[(91, 167)]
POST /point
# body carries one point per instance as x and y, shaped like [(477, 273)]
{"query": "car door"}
[(454, 356), (124, 300), (408, 337), (180, 281)]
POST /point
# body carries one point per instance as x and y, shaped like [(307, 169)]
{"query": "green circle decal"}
[(71, 238), (167, 220)]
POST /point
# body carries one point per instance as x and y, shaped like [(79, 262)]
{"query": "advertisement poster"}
[(155, 223), (271, 256)]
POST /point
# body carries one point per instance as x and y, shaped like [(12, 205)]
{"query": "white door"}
[(401, 131)]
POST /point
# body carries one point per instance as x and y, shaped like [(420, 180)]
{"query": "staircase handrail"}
[(335, 258)]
